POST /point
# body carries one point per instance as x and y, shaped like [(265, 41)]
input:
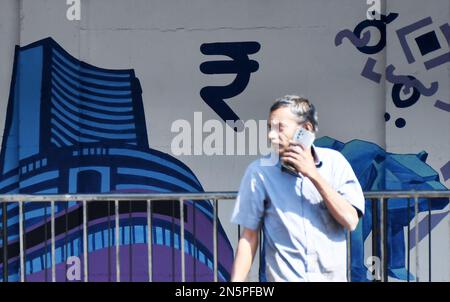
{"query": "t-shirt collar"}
[(315, 155)]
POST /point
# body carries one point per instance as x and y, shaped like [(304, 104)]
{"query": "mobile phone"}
[(303, 137)]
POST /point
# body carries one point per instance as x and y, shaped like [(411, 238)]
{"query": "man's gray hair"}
[(301, 107)]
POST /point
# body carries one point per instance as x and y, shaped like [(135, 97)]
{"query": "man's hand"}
[(301, 159)]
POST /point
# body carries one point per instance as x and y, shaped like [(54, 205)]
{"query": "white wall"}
[(161, 40)]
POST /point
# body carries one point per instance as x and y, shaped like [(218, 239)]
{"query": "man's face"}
[(282, 126)]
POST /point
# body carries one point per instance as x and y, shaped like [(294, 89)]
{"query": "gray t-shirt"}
[(303, 242)]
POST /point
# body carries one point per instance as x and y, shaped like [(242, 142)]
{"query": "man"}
[(305, 215)]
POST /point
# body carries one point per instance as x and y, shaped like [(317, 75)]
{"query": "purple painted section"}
[(441, 105), (423, 228), (358, 42), (442, 59), (166, 266), (408, 83), (445, 170), (166, 260), (368, 71), (404, 31)]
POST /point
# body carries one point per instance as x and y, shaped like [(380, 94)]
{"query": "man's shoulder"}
[(262, 163), (257, 163), (327, 153)]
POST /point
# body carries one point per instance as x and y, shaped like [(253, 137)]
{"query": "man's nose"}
[(273, 135)]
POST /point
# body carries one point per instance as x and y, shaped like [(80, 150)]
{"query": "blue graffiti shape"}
[(368, 71), (397, 95), (410, 82), (441, 105), (361, 42), (240, 65), (445, 170), (403, 32), (444, 58), (378, 170), (355, 40), (427, 42)]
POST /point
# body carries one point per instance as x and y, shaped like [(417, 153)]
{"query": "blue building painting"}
[(75, 128)]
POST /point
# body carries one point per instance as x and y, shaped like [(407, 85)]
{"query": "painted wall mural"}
[(76, 128), (379, 170), (407, 90), (427, 43), (72, 127), (240, 65)]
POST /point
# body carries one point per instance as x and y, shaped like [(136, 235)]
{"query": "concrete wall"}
[(161, 41)]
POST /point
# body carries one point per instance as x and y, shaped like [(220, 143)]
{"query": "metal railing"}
[(379, 230)]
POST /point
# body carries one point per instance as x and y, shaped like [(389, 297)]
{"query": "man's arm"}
[(244, 256), (341, 209)]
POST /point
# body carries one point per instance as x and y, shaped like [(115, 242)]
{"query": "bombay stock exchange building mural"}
[(74, 128)]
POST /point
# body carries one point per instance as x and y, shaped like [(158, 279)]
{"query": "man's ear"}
[(309, 126)]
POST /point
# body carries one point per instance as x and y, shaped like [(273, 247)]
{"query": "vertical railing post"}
[(429, 240), (383, 239), (5, 240), (117, 235), (375, 228), (382, 256), (183, 269), (46, 241), (416, 223), (21, 244), (194, 241), (130, 243), (52, 234), (85, 242), (149, 241), (349, 256), (215, 245), (109, 240), (408, 243), (66, 240)]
